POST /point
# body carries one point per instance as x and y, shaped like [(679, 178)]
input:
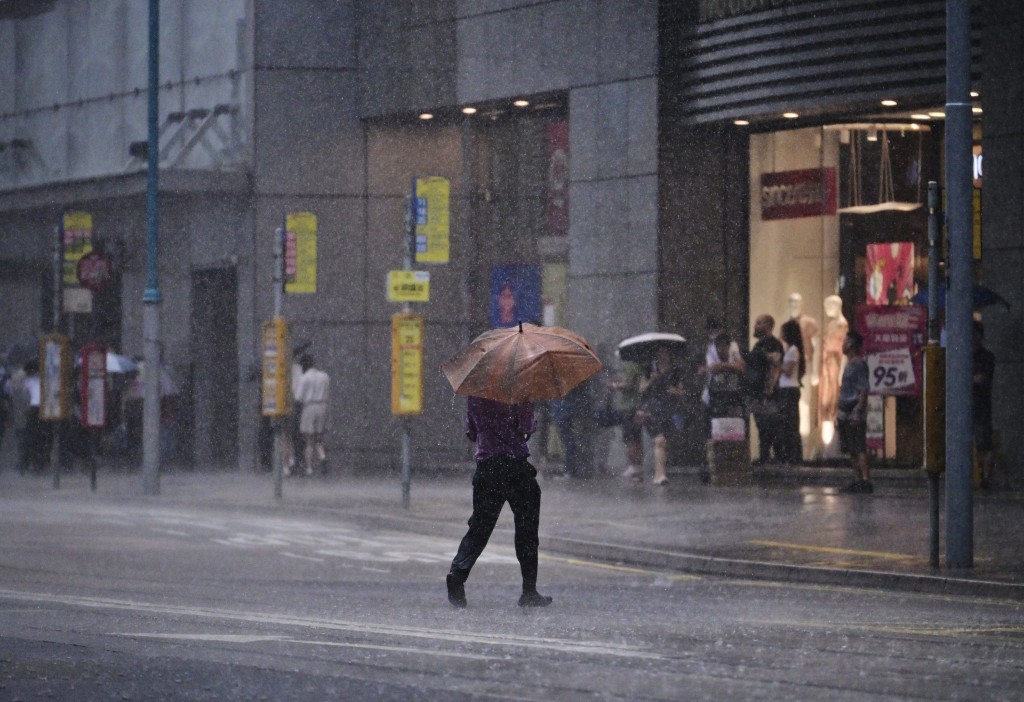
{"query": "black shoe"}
[(456, 591), (852, 489), (534, 599), (866, 487)]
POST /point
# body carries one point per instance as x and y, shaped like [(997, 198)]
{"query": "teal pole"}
[(959, 295), (151, 298)]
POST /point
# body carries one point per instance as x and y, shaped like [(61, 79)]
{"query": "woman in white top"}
[(789, 449)]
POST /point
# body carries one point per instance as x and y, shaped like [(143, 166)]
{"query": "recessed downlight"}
[(469, 110), (937, 115), (920, 116), (521, 103), (426, 116), (741, 122), (790, 115), (889, 103)]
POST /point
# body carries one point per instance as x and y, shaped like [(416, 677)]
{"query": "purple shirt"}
[(499, 429)]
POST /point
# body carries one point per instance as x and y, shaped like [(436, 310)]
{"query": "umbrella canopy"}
[(521, 364), (643, 348), (981, 297), (116, 363)]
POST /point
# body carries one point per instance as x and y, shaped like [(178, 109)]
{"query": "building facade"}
[(608, 158)]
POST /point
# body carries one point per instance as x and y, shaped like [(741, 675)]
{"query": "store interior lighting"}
[(872, 134), (469, 110)]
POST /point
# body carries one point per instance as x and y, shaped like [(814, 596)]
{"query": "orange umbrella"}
[(521, 364)]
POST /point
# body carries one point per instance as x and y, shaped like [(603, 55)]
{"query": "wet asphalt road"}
[(142, 601)]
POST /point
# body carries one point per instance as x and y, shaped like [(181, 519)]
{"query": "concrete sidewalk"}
[(791, 525)]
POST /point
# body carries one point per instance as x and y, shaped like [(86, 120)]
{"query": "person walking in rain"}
[(503, 474), (312, 391)]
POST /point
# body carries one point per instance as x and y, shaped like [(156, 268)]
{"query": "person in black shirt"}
[(763, 366), (984, 368)]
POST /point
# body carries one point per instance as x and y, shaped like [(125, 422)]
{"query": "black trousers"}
[(496, 481)]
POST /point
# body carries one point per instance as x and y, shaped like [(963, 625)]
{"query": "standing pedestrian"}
[(851, 412), (763, 364), (626, 405), (721, 355), (573, 415), (984, 369), (36, 434), (503, 474), (313, 392), (789, 447)]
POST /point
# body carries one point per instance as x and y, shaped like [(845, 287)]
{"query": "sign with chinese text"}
[(893, 339), (300, 252), (53, 395), (406, 364), (76, 241), (890, 272), (93, 385), (431, 195), (793, 194), (275, 363), (408, 286)]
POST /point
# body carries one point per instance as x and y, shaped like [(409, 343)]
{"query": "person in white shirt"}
[(312, 391), (789, 449)]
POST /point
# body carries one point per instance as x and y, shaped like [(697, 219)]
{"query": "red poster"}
[(558, 178), (890, 271), (792, 194), (893, 339)]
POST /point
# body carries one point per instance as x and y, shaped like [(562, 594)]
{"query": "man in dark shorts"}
[(984, 369), (853, 403), (502, 475)]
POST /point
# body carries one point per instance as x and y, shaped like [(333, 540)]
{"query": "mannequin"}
[(809, 333), (832, 359)]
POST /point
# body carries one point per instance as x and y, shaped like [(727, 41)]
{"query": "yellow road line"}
[(829, 549)]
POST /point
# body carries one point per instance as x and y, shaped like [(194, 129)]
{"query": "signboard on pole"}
[(408, 286), (406, 364), (53, 395), (275, 385), (93, 385), (300, 232), (431, 196), (76, 241)]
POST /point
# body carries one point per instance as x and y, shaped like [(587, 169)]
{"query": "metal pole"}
[(959, 353), (54, 427), (151, 298), (281, 358), (407, 264), (934, 251)]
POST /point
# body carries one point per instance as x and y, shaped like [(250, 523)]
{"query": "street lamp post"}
[(151, 297)]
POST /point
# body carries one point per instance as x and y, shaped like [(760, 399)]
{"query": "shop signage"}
[(76, 242), (408, 286), (300, 232), (406, 364), (792, 194), (431, 198), (893, 339)]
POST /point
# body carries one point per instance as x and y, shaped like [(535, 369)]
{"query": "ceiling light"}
[(741, 122), (919, 116), (469, 110), (521, 103), (426, 115), (790, 115), (937, 114), (889, 103), (974, 93), (915, 127), (872, 134), (976, 110)]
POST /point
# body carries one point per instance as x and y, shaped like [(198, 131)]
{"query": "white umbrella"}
[(642, 348), (116, 363)]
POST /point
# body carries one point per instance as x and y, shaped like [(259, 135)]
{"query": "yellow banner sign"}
[(76, 237), (432, 219), (275, 384), (408, 286), (406, 364), (300, 252)]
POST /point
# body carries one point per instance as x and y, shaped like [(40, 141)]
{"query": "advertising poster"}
[(300, 252), (893, 339), (890, 271), (516, 294), (794, 194)]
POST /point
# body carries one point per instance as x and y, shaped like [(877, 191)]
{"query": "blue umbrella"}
[(982, 297)]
